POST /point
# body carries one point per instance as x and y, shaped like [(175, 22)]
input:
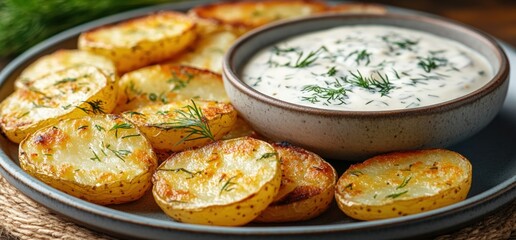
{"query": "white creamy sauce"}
[(366, 68)]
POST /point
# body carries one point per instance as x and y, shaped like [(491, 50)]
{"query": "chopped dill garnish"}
[(131, 135), (331, 72), (180, 83), (82, 127), (65, 80), (399, 42), (383, 86), (95, 107), (267, 155), (120, 126), (404, 183), (95, 156), (183, 170), (362, 55), (330, 95), (305, 61), (228, 185), (431, 62), (118, 153), (99, 128), (132, 113), (396, 195)]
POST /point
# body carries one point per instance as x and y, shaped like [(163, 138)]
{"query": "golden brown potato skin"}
[(226, 183), (307, 186), (142, 41), (169, 126), (165, 83), (102, 159), (245, 15), (403, 183), (69, 93)]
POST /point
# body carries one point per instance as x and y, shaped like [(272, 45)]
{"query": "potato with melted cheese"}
[(72, 92), (165, 83), (142, 41), (226, 183), (103, 159), (403, 183), (208, 52), (180, 125), (60, 60), (307, 186), (246, 15)]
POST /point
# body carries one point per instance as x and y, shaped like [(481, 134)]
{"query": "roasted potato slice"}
[(242, 129), (69, 93), (225, 183), (246, 15), (307, 186), (180, 125), (101, 158), (141, 41), (403, 183), (357, 8), (164, 83), (208, 52), (60, 60)]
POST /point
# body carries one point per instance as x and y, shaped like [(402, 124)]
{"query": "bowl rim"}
[(229, 71)]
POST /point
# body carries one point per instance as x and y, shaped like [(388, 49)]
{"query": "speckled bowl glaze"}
[(355, 135)]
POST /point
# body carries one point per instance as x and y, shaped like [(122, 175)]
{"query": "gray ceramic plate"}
[(492, 153)]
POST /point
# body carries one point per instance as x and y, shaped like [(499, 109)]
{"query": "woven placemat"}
[(22, 218)]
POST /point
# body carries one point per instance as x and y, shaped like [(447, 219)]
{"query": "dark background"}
[(496, 17)]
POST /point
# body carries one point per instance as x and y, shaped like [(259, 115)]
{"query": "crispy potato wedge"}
[(100, 158), (73, 92), (180, 125), (225, 183), (60, 60), (208, 52), (141, 41), (164, 83), (246, 15), (403, 183), (307, 186), (357, 8)]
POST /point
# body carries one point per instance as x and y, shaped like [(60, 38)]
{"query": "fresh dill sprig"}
[(192, 120), (25, 23), (382, 85), (305, 61), (330, 95), (95, 107)]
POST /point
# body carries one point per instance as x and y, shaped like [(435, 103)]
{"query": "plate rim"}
[(504, 191)]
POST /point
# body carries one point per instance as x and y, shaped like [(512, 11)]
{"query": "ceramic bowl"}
[(355, 135)]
